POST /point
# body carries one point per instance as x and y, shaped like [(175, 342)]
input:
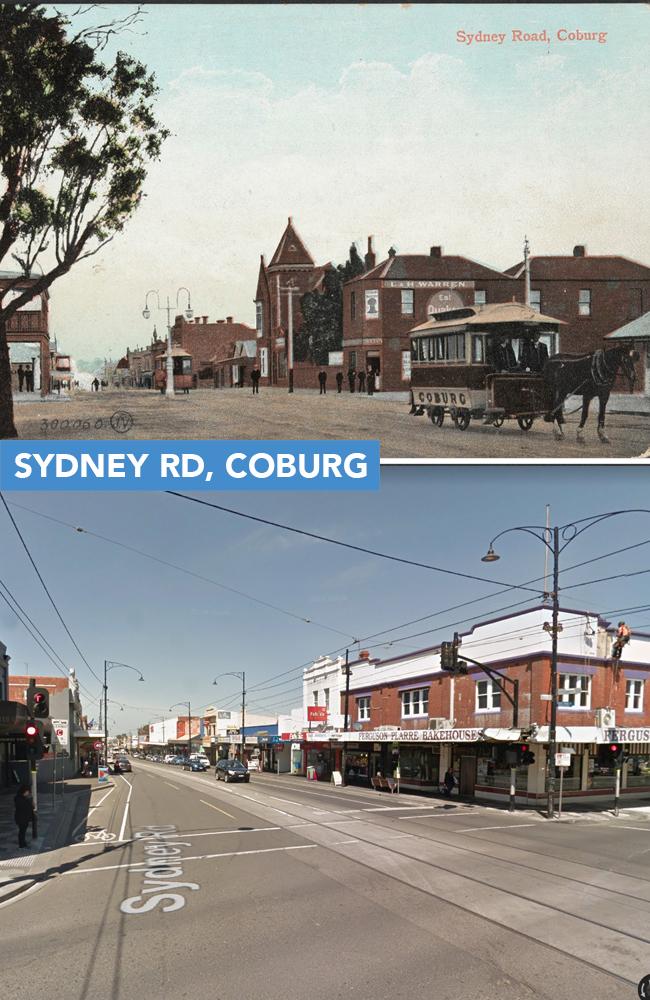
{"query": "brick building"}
[(28, 334), (384, 303), (65, 704), (291, 273), (406, 713)]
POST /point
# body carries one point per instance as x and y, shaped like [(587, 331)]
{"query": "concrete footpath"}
[(20, 867)]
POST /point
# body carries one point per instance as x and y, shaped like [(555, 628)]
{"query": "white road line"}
[(336, 843), (172, 786), (506, 826), (230, 815), (644, 829), (91, 810), (97, 804), (221, 833), (126, 807), (135, 866)]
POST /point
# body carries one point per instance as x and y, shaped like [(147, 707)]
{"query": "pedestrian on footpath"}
[(362, 380), (29, 379), (352, 377), (448, 783), (24, 814), (371, 380), (339, 381), (21, 378), (322, 381), (256, 374)]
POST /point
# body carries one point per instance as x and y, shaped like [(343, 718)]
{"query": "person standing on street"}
[(362, 380), (322, 381), (29, 379), (21, 378), (448, 783), (256, 374), (24, 814), (371, 380), (339, 381), (352, 377)]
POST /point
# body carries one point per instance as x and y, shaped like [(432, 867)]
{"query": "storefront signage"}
[(628, 735), (428, 284), (337, 779), (413, 736), (444, 397), (316, 713)]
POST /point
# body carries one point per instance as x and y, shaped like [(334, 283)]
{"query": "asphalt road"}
[(177, 886), (274, 414)]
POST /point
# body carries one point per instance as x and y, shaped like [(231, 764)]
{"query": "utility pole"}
[(552, 734), (526, 271), (291, 290)]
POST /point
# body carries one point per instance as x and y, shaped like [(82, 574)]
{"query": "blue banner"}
[(200, 465)]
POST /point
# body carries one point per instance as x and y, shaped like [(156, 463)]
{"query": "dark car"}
[(231, 770), (194, 765), (120, 765)]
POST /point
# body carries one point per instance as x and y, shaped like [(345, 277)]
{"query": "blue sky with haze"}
[(181, 632), (369, 119)]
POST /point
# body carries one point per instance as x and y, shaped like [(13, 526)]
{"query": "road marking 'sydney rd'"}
[(162, 850)]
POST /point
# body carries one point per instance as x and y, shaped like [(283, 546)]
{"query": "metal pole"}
[(290, 340), (552, 745), (169, 388), (347, 691), (617, 789), (559, 810), (34, 798), (513, 785), (243, 712), (189, 730), (105, 716), (54, 774)]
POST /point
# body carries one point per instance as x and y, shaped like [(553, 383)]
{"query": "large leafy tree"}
[(77, 134), (322, 312)]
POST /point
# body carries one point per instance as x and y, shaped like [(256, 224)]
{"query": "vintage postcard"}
[(418, 224)]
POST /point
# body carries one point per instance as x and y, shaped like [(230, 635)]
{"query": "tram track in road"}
[(443, 882)]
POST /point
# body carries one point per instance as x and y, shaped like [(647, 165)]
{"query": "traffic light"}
[(38, 702), (449, 656), (527, 755), (618, 753), (33, 740)]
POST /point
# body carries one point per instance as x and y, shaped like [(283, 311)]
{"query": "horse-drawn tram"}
[(483, 362)]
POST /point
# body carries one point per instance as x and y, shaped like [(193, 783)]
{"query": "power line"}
[(349, 545), (182, 569), (45, 588)]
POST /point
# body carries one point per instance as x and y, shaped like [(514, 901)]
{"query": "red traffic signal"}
[(524, 747), (614, 747), (31, 730)]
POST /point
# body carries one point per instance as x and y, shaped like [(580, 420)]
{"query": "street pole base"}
[(290, 381)]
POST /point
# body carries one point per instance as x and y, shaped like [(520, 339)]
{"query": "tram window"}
[(460, 346), (478, 350), (414, 350), (440, 349)]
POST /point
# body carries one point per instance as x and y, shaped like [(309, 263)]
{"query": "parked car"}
[(194, 765), (125, 763), (202, 757), (178, 760), (231, 770), (169, 758)]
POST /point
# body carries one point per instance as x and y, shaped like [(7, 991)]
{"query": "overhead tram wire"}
[(45, 588), (351, 546), (182, 569)]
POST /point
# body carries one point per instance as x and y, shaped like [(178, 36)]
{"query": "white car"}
[(169, 758), (201, 757)]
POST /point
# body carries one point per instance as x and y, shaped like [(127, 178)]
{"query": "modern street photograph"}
[(286, 744), (413, 223)]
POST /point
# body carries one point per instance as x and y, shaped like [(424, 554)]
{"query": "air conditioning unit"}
[(438, 724), (606, 718), (386, 729)]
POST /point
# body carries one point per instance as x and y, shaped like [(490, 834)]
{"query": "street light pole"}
[(146, 312), (290, 289), (110, 665), (242, 674)]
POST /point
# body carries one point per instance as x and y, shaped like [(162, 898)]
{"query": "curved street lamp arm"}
[(115, 663), (537, 531), (589, 522)]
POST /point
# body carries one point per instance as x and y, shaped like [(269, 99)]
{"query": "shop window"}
[(536, 300), (602, 768), (419, 764), (488, 696), (584, 302), (363, 709), (574, 691), (638, 769), (493, 768), (408, 306), (480, 297), (415, 703), (633, 696)]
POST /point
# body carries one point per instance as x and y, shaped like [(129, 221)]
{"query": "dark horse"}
[(589, 375)]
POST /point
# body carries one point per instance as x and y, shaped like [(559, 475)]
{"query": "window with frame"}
[(353, 305), (584, 302), (488, 696), (536, 300), (363, 709), (415, 703), (574, 691), (408, 305), (634, 696), (478, 350), (315, 698), (353, 360), (259, 319), (480, 297), (326, 693)]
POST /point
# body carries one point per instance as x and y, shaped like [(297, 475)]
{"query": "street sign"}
[(60, 730), (97, 745), (316, 713), (546, 697), (102, 775), (563, 760), (337, 779)]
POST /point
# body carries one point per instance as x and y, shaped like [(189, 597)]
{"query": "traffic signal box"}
[(519, 755), (618, 754), (449, 657), (33, 740), (38, 702)]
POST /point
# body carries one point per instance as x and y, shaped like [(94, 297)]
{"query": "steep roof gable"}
[(291, 250)]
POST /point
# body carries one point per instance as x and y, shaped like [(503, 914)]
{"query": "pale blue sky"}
[(365, 120), (180, 632)]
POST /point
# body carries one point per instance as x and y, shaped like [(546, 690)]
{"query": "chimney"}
[(435, 252), (291, 220), (392, 252), (204, 318), (580, 250), (228, 319), (370, 260)]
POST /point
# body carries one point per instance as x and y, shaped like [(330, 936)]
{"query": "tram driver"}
[(502, 354), (534, 354)]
